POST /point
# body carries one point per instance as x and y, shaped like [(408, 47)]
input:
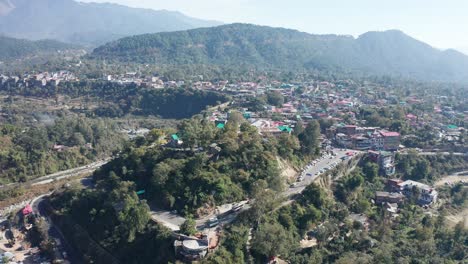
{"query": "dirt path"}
[(453, 219), (453, 178)]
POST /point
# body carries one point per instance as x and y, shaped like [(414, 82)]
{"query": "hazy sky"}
[(441, 23)]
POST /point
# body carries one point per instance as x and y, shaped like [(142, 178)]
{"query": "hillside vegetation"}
[(376, 53), (11, 48)]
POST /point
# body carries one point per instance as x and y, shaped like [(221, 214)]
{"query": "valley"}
[(139, 135)]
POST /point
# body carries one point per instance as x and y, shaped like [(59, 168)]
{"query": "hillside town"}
[(358, 123), (233, 132)]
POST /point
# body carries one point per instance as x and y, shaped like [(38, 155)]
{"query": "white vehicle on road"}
[(237, 206), (212, 222)]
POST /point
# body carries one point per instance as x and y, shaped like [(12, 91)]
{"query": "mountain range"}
[(11, 48), (463, 50), (377, 53), (86, 23)]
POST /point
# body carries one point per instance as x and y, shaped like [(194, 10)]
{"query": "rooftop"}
[(194, 244), (390, 134)]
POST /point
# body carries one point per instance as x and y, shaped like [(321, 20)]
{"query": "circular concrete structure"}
[(193, 245)]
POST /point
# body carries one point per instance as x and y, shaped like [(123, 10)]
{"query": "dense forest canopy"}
[(28, 152), (11, 48), (121, 99)]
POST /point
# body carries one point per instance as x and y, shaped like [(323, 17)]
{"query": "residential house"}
[(391, 140), (388, 197), (385, 160), (425, 193)]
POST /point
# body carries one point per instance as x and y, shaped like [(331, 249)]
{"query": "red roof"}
[(27, 210)]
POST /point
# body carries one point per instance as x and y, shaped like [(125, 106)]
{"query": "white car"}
[(212, 222), (237, 206)]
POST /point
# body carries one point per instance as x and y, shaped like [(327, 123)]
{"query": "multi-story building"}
[(385, 159), (425, 193), (364, 138), (391, 140)]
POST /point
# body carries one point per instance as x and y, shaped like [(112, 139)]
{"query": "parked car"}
[(212, 222), (237, 206)]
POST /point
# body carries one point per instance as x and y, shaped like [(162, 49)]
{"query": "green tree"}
[(188, 227), (133, 215), (310, 138), (273, 240), (287, 145), (422, 170), (236, 117), (275, 98), (265, 201), (354, 257), (371, 171), (299, 128), (314, 195)]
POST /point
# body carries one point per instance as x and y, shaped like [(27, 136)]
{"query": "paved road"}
[(38, 206), (225, 215), (173, 221), (90, 168), (87, 169), (37, 203), (436, 153), (168, 219), (312, 172)]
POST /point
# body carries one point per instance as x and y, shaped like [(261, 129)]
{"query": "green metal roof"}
[(175, 137), (220, 125), (285, 128)]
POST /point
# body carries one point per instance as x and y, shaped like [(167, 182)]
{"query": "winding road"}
[(311, 172)]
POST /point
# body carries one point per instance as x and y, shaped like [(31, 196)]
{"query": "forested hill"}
[(376, 53), (87, 23), (11, 48)]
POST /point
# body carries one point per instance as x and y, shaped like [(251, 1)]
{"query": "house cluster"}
[(270, 127), (135, 78), (385, 160), (16, 237), (38, 79), (451, 133), (63, 148), (364, 138), (162, 82), (398, 190)]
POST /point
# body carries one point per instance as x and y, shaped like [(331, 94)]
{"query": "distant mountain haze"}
[(87, 23), (463, 50), (376, 53)]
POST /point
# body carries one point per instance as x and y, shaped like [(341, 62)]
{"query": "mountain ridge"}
[(12, 48), (382, 53), (463, 50), (87, 23)]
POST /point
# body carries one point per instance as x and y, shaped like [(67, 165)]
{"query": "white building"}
[(427, 194)]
